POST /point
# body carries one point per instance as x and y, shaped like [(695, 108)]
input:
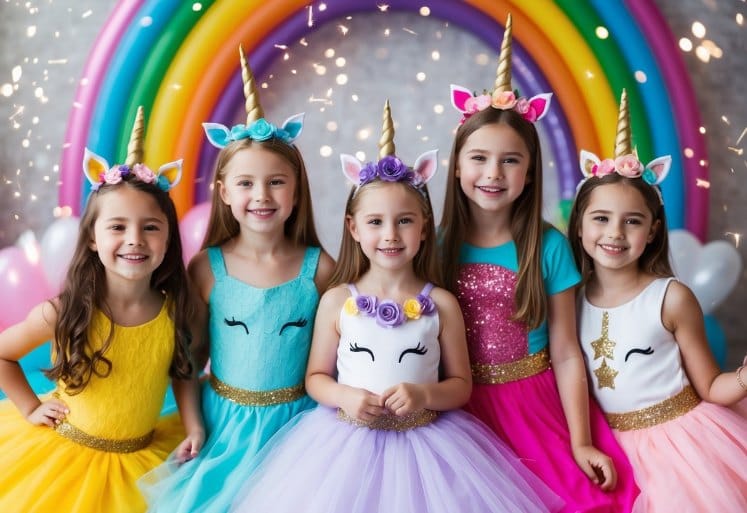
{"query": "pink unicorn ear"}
[(93, 166), (540, 105), (660, 166), (459, 96), (351, 168), (588, 160), (426, 165)]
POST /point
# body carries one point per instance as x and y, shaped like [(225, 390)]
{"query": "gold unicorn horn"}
[(135, 148), (503, 73), (623, 143), (253, 108), (386, 142)]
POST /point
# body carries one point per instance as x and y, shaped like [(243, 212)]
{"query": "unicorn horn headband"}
[(626, 161), (257, 128), (98, 172), (502, 96), (389, 168)]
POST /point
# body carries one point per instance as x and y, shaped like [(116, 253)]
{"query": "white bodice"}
[(375, 357), (633, 360)]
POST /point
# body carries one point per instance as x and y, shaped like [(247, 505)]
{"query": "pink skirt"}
[(693, 464), (528, 416)]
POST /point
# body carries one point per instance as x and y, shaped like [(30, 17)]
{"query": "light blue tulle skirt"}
[(210, 482)]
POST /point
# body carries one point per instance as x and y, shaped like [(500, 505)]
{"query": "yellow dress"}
[(111, 437)]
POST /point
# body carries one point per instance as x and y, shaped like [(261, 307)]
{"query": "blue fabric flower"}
[(649, 176)]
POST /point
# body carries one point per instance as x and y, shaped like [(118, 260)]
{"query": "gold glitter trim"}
[(257, 398), (659, 413), (392, 422), (103, 444), (487, 374)]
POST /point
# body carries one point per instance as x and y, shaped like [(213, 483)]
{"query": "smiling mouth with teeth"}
[(490, 188), (134, 258)]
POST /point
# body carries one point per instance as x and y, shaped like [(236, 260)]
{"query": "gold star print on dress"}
[(604, 348)]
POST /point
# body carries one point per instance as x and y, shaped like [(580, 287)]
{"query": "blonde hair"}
[(299, 227), (527, 225)]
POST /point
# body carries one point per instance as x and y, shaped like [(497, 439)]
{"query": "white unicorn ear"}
[(587, 161), (426, 166), (459, 96), (293, 125), (351, 168), (93, 166), (660, 166), (172, 171)]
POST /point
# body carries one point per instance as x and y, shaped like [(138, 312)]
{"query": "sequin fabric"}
[(486, 295)]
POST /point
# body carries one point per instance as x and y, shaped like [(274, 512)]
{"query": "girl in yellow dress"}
[(119, 330)]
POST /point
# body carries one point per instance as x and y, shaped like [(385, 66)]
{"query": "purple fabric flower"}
[(427, 304), (392, 169), (124, 170), (368, 173), (366, 304), (389, 314)]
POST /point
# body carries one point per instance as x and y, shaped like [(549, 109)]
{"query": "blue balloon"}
[(716, 340)]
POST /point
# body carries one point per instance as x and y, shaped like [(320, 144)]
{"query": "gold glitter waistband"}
[(103, 444), (257, 398), (392, 422), (487, 374), (659, 413)]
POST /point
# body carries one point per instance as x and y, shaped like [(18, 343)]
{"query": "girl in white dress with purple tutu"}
[(389, 368)]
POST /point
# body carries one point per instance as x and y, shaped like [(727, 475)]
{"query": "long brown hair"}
[(527, 224), (353, 263), (299, 227), (84, 291), (655, 258)]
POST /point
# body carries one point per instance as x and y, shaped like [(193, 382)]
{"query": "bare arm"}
[(570, 375), (321, 371), (454, 389), (202, 281), (323, 272), (681, 314), (17, 341)]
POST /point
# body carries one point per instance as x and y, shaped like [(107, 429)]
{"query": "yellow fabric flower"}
[(350, 306), (412, 309)]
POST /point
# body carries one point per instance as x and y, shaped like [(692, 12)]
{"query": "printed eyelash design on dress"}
[(300, 323), (234, 322), (358, 349), (421, 350), (639, 351)]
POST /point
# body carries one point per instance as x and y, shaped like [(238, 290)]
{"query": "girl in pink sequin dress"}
[(515, 278)]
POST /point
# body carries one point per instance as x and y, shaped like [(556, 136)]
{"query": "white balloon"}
[(684, 249), (717, 272), (30, 246), (57, 248)]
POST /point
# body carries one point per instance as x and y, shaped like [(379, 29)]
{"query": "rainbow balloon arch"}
[(178, 59)]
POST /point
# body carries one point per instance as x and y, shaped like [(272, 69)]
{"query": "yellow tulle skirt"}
[(41, 471)]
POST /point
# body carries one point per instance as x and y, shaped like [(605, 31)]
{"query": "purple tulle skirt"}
[(322, 464)]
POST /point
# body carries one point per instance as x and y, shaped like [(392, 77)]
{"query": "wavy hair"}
[(84, 291)]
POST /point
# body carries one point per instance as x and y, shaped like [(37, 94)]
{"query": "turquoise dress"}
[(259, 346)]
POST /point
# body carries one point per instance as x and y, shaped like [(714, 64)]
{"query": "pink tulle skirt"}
[(528, 416), (696, 463)]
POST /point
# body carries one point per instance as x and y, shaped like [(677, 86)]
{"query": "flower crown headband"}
[(97, 170), (389, 168), (502, 97), (626, 161), (257, 128)]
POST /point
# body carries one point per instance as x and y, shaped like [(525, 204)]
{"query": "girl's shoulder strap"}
[(310, 262), (217, 264), (427, 289), (353, 290)]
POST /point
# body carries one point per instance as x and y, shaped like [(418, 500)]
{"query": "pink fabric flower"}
[(113, 176), (523, 106), (629, 166), (477, 103), (504, 100), (143, 173), (605, 167)]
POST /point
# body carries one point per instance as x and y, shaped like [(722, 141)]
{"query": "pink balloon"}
[(22, 283), (192, 229)]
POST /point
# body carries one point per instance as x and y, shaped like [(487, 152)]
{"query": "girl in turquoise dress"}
[(260, 275)]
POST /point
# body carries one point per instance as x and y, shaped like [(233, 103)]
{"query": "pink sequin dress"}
[(514, 388)]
